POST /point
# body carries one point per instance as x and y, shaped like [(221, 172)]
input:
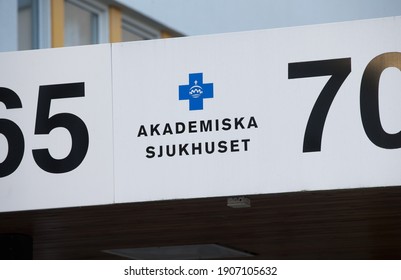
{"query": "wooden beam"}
[(115, 21), (57, 23), (165, 34)]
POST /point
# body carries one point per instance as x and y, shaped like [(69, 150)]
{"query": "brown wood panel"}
[(339, 224), (57, 23), (115, 24)]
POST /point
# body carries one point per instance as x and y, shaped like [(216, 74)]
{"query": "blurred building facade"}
[(36, 24)]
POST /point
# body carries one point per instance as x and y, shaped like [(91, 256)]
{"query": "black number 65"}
[(44, 125)]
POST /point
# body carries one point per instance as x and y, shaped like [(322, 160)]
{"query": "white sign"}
[(258, 112), (305, 108), (56, 128)]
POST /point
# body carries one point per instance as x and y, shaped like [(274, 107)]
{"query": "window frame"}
[(41, 24), (135, 26), (102, 13)]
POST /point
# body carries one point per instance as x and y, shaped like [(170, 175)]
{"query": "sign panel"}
[(306, 108), (56, 128)]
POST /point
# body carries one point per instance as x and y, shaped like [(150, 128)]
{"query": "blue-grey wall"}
[(8, 25)]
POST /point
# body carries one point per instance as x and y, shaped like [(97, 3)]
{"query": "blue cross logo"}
[(195, 91)]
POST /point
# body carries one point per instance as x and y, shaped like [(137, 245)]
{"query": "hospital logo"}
[(195, 91)]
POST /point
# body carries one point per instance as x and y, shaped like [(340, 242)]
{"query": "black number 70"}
[(339, 69)]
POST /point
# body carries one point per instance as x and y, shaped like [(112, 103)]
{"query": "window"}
[(33, 24), (133, 30), (128, 35), (28, 24), (85, 23)]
